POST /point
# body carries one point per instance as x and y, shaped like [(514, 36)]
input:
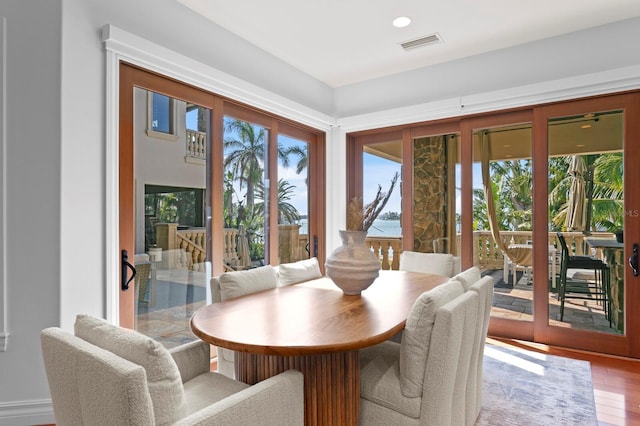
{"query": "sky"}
[(376, 170), (380, 171), (300, 197)]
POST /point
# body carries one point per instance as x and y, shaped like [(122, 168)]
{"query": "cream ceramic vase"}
[(353, 266)]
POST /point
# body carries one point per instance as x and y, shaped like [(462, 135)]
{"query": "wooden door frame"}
[(516, 329), (539, 329), (131, 76), (629, 344)]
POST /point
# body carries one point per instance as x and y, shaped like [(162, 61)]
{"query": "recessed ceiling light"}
[(401, 21)]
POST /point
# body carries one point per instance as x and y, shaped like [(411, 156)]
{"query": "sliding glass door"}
[(593, 222), (503, 190), (207, 185)]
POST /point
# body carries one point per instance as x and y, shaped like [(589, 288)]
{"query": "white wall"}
[(57, 142), (33, 167), (159, 161), (585, 52)]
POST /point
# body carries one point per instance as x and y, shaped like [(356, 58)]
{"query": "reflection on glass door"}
[(586, 219), (246, 189), (170, 154), (503, 216), (293, 200)]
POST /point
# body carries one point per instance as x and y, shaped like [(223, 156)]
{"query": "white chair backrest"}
[(79, 374), (297, 272), (468, 277), (417, 336), (484, 289), (433, 263), (447, 364)]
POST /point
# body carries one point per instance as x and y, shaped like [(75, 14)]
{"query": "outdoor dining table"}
[(316, 329), (611, 251), (553, 263)]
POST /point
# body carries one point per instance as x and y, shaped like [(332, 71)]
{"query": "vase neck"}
[(353, 237)]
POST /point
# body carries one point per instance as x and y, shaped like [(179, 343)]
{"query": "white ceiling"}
[(342, 42)]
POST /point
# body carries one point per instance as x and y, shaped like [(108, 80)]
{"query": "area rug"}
[(528, 388)]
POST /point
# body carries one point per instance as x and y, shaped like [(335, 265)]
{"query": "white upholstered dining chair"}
[(239, 283), (434, 376), (471, 280), (107, 375), (434, 263)]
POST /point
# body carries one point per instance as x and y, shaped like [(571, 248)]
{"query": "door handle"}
[(125, 266), (633, 260), (315, 246)]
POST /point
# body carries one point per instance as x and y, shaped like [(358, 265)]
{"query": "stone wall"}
[(429, 192)]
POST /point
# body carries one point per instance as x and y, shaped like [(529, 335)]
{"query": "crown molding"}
[(610, 81)]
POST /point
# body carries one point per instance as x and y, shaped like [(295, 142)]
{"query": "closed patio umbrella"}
[(243, 248), (576, 217)]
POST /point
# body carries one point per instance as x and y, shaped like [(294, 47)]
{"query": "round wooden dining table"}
[(316, 329)]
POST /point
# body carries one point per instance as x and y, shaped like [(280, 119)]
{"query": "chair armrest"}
[(192, 359), (275, 401)]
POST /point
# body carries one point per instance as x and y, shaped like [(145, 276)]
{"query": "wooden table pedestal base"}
[(331, 382)]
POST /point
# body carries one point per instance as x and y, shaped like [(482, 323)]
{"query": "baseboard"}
[(34, 412)]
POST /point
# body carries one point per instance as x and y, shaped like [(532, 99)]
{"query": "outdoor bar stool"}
[(597, 291)]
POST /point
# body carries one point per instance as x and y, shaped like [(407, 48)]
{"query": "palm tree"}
[(287, 213), (245, 155), (244, 146), (480, 219), (511, 183), (604, 199), (608, 192), (303, 157)]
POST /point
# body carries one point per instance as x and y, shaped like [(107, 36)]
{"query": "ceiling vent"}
[(422, 41)]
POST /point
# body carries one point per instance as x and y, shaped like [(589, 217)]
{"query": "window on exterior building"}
[(161, 117)]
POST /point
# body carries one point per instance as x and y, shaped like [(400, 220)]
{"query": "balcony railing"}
[(196, 145), (388, 250), (187, 247), (487, 255)]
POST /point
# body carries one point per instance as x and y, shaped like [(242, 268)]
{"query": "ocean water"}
[(385, 228), (380, 228)]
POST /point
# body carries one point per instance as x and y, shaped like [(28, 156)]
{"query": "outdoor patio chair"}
[(596, 289), (143, 275)]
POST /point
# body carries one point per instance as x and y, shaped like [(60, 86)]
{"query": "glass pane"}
[(170, 224), (586, 206), (293, 199), (161, 120), (382, 163), (502, 216), (246, 206), (436, 196)]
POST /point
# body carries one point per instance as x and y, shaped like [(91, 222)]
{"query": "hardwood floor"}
[(616, 381)]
